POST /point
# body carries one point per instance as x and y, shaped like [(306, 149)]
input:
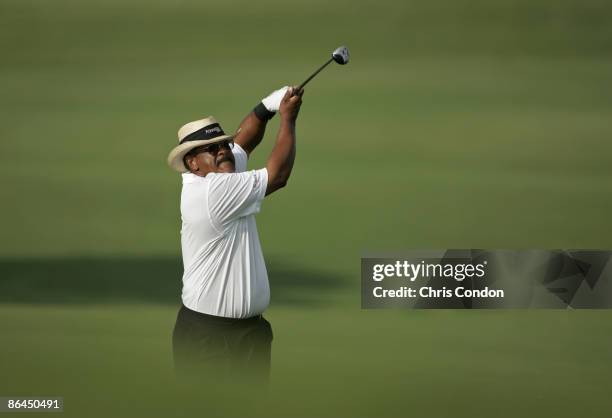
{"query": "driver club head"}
[(341, 55)]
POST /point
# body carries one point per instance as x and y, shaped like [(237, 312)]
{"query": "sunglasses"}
[(215, 148)]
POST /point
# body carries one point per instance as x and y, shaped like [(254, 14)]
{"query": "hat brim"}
[(175, 158)]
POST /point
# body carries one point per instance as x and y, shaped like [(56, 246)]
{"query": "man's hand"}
[(273, 100), (253, 126), (290, 104)]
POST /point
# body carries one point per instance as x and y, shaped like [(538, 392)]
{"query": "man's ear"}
[(192, 163)]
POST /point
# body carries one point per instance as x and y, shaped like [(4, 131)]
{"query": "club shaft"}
[(313, 74)]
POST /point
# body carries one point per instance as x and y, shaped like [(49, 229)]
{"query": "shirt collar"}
[(189, 178)]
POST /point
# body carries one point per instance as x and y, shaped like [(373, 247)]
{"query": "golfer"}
[(220, 331)]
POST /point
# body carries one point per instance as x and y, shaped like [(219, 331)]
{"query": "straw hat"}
[(194, 134)]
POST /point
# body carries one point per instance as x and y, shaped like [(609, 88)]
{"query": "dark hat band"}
[(208, 132)]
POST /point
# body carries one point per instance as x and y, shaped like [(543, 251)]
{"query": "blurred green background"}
[(457, 124)]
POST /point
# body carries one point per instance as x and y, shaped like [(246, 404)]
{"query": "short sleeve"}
[(234, 195), (240, 158)]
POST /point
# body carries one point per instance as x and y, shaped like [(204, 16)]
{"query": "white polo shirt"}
[(225, 273)]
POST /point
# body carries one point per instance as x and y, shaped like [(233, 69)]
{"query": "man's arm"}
[(251, 132), (253, 126), (280, 162)]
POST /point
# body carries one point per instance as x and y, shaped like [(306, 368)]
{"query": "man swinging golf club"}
[(219, 330)]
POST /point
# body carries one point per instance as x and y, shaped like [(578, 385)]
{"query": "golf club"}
[(340, 55)]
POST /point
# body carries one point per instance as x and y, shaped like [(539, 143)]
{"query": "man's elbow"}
[(276, 184), (281, 182)]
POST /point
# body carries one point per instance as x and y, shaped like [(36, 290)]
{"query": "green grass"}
[(469, 124), (115, 360), (112, 360)]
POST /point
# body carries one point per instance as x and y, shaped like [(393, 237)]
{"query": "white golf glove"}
[(272, 102)]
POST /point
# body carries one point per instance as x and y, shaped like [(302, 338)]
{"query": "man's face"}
[(215, 158)]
